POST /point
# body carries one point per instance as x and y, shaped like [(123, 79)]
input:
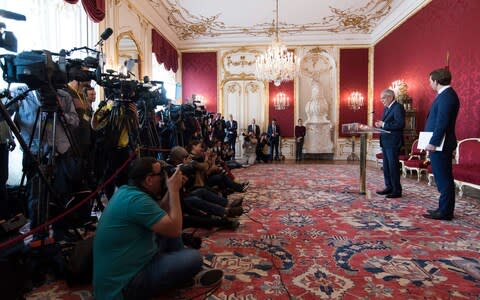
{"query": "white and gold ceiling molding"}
[(301, 22)]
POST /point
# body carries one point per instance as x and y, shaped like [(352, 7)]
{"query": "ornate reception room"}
[(307, 75)]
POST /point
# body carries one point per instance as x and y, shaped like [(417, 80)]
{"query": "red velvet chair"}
[(414, 155), (418, 165), (466, 171)]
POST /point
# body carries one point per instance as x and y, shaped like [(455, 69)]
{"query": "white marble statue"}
[(319, 127)]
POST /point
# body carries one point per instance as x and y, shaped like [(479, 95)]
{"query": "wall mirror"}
[(129, 56)]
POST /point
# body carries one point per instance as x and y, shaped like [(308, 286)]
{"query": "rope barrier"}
[(73, 208)]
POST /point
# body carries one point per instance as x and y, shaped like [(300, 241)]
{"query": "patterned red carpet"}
[(308, 234)]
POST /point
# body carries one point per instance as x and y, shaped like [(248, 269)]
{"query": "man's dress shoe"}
[(438, 216), (432, 211), (384, 192), (393, 195)]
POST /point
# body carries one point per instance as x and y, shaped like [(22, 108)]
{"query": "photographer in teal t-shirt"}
[(138, 251)]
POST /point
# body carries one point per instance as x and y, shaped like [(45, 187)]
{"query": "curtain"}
[(95, 8), (164, 52)]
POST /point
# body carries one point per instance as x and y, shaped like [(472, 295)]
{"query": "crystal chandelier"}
[(276, 64), (355, 100), (281, 101)]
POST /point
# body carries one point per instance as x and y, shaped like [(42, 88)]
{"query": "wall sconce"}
[(355, 100), (281, 101)]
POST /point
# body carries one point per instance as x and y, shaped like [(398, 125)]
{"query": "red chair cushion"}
[(467, 173), (468, 152), (416, 163)]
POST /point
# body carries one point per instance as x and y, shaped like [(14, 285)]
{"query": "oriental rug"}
[(309, 234)]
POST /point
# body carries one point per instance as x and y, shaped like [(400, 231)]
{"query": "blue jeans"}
[(207, 201), (172, 266)]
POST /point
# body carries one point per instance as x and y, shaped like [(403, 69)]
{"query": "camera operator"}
[(218, 129), (138, 251), (83, 107), (25, 116), (7, 144), (112, 121)]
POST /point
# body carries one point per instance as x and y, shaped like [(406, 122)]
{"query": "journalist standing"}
[(274, 134), (231, 128), (300, 132), (393, 121), (441, 121)]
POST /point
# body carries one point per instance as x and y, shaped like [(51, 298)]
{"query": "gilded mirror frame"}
[(129, 35)]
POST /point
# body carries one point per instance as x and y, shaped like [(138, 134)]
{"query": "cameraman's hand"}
[(11, 145), (175, 182)]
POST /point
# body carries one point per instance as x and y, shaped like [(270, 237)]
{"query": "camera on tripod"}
[(38, 70)]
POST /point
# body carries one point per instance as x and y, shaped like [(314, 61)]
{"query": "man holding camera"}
[(138, 252)]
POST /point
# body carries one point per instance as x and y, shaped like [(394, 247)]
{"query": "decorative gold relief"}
[(360, 20), (188, 26), (241, 62), (354, 20), (233, 88), (252, 87)]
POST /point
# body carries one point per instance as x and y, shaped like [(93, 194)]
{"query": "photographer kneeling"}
[(201, 198), (138, 251)]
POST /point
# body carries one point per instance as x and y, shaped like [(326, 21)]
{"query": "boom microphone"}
[(11, 15), (104, 36)]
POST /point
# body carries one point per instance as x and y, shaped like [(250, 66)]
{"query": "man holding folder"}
[(441, 122)]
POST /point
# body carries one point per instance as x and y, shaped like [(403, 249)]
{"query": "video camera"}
[(38, 70)]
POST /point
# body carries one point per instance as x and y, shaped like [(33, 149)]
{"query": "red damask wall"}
[(199, 76), (284, 117), (421, 44), (353, 77)]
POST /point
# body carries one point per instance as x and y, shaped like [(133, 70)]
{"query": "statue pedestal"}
[(318, 138)]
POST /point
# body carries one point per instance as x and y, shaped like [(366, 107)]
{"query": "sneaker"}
[(208, 278)]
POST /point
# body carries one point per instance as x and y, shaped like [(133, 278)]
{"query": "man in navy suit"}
[(274, 134), (393, 120), (441, 121), (231, 129)]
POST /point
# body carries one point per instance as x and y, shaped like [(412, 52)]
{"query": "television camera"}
[(38, 70)]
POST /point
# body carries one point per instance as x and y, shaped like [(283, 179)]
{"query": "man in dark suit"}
[(393, 120), (274, 134), (441, 121), (254, 128), (231, 127)]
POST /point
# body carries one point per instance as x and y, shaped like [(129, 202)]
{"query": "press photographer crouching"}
[(138, 251), (201, 206), (213, 175)]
